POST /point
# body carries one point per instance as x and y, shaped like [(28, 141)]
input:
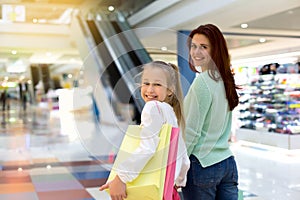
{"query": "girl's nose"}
[(150, 88)]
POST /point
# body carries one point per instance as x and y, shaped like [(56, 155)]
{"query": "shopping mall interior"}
[(68, 88)]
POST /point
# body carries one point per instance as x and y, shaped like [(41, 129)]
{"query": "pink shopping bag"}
[(171, 165), (176, 196)]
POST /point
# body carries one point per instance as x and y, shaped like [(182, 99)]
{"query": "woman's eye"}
[(146, 83), (157, 84), (194, 46)]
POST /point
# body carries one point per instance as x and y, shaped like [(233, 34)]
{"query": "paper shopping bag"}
[(171, 165), (149, 184)]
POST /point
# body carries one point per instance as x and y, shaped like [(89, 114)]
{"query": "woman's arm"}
[(196, 106)]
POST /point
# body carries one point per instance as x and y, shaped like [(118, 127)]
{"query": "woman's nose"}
[(199, 50)]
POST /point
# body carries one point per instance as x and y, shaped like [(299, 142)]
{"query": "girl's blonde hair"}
[(174, 85)]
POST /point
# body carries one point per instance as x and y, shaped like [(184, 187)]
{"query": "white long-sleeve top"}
[(154, 115)]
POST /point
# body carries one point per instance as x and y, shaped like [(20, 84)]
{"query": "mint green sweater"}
[(208, 120)]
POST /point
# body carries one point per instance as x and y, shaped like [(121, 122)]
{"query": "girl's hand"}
[(116, 188), (176, 187)]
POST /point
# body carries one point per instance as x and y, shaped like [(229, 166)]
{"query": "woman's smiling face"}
[(154, 84), (200, 50)]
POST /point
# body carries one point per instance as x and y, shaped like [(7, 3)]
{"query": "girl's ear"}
[(170, 92)]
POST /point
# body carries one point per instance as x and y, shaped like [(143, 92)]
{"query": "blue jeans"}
[(216, 182)]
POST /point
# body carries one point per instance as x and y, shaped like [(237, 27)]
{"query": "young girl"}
[(161, 90)]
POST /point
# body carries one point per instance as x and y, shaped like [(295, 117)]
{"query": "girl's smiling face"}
[(154, 84)]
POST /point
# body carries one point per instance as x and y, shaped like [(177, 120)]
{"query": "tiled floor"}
[(65, 156), (269, 172), (68, 181), (46, 157)]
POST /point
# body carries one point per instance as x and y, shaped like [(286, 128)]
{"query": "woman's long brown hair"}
[(220, 61)]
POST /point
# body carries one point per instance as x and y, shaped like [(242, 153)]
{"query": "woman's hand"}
[(116, 188)]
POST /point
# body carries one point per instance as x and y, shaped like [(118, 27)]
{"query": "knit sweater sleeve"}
[(196, 106)]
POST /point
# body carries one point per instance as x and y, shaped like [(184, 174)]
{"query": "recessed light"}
[(14, 52), (164, 48), (244, 25), (111, 8), (262, 40)]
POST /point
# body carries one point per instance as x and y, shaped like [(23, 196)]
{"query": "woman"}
[(208, 111)]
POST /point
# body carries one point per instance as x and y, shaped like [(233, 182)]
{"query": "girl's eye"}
[(152, 84), (193, 46), (146, 83), (203, 47)]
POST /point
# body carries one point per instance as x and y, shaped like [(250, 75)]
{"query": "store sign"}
[(17, 66), (13, 13)]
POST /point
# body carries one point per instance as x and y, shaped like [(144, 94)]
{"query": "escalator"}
[(114, 53), (131, 41)]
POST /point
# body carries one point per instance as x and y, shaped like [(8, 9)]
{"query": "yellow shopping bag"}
[(149, 185)]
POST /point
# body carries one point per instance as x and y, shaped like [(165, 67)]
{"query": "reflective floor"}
[(47, 154)]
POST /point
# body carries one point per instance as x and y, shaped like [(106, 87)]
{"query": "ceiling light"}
[(164, 48), (35, 20), (244, 25), (262, 40), (111, 8), (14, 52)]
